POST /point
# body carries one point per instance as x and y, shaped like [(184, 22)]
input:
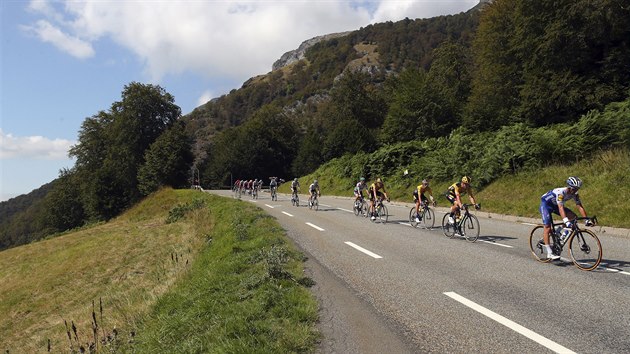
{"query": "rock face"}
[(298, 54)]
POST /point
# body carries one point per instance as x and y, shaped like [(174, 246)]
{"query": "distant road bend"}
[(394, 288)]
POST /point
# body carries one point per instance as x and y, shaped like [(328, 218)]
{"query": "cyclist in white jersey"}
[(553, 202), (359, 188)]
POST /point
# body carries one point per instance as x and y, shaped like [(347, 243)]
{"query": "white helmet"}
[(574, 182)]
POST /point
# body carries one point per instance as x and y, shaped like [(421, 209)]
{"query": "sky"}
[(64, 61)]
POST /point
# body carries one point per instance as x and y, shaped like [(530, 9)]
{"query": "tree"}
[(167, 161), (63, 207)]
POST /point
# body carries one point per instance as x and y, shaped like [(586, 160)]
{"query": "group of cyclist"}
[(251, 186), (552, 202)]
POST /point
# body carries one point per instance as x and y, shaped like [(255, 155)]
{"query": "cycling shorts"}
[(546, 209), (423, 198), (379, 194), (451, 198)]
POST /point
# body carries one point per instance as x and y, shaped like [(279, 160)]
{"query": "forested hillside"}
[(524, 72)]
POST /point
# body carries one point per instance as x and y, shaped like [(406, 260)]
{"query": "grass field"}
[(606, 183), (219, 277)]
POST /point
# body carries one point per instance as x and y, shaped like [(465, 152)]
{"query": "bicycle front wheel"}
[(428, 218), (364, 210), (382, 214), (447, 227), (412, 217), (470, 228), (585, 249), (316, 204)]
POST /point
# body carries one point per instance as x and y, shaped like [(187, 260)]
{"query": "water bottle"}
[(565, 233)]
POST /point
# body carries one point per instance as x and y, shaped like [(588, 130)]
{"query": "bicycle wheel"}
[(428, 218), (364, 210), (537, 244), (310, 203), (381, 214), (297, 201), (448, 228), (412, 217), (356, 208), (585, 249), (469, 228), (316, 204)]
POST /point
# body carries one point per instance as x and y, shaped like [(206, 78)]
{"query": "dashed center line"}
[(285, 213), (615, 270), (497, 244), (270, 206), (551, 345), (314, 226), (369, 253), (346, 210)]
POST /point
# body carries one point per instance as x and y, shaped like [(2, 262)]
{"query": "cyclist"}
[(454, 193), (358, 190), (273, 184), (420, 198), (553, 202), (295, 186), (376, 190), (313, 189)]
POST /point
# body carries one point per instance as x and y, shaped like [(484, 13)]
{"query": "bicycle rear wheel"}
[(448, 228), (297, 201), (316, 204), (356, 207), (428, 218), (412, 217), (585, 249), (537, 244), (470, 228)]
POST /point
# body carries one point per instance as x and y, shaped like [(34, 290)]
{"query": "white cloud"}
[(205, 97), (33, 147), (74, 46), (217, 39)]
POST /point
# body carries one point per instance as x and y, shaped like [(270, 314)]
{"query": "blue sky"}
[(64, 61)]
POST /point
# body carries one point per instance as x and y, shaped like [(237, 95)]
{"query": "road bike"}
[(466, 225), (295, 199), (380, 211), (360, 207), (426, 216), (255, 193), (274, 193), (585, 249), (313, 202)]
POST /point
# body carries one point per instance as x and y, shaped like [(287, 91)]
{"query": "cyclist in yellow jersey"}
[(419, 197), (377, 189), (454, 193)]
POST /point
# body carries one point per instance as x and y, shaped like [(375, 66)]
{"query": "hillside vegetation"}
[(183, 271)]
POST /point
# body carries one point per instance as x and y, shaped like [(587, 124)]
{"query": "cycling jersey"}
[(419, 192), (549, 203), (313, 188), (558, 196), (295, 184), (456, 189), (360, 187)]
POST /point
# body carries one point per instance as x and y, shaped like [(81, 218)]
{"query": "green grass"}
[(220, 277), (606, 179)]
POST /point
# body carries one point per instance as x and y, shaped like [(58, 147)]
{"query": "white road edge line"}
[(285, 213), (269, 206), (549, 344), (314, 226), (614, 270), (349, 211), (371, 254), (497, 244), (327, 206), (529, 223)]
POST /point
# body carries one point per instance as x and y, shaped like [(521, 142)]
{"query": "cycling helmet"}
[(425, 182), (315, 182), (466, 179), (574, 182), (362, 179), (379, 180), (295, 180)]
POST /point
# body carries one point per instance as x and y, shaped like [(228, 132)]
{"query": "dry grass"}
[(127, 263)]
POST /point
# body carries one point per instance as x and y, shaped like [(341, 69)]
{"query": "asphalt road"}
[(392, 288)]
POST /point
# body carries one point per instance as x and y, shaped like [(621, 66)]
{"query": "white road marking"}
[(269, 206), (285, 213), (497, 244), (530, 224), (327, 206), (349, 211), (371, 254), (615, 270), (551, 345), (314, 226)]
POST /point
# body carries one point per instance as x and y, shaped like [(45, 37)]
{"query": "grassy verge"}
[(206, 281), (606, 179)]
